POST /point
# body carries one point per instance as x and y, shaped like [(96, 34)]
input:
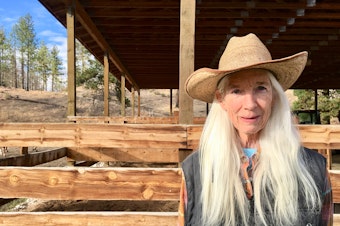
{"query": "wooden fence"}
[(161, 143)]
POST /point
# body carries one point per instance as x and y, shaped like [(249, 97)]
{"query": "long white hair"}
[(279, 174)]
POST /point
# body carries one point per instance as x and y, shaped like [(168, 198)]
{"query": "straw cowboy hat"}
[(242, 53)]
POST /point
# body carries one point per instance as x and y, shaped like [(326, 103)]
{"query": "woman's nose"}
[(249, 101)]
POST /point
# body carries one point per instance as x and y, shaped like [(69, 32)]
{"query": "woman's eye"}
[(236, 91), (261, 88)]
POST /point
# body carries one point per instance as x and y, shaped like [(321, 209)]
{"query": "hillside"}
[(18, 105)]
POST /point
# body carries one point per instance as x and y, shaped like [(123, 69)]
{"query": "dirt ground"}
[(17, 105)]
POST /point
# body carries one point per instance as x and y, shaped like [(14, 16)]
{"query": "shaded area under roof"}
[(144, 35)]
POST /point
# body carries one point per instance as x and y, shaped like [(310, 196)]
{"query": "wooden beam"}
[(186, 58), (71, 64), (335, 179), (146, 155), (96, 218), (88, 218), (336, 219), (92, 135), (136, 135), (133, 101), (122, 94), (313, 136), (138, 113), (129, 119), (106, 85), (89, 183), (320, 136), (170, 102), (91, 28)]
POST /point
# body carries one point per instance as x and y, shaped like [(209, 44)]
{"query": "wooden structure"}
[(157, 44), (111, 142), (143, 38)]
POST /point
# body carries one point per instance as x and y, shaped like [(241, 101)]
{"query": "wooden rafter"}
[(91, 28)]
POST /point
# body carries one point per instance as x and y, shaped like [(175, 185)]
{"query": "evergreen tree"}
[(42, 64), (306, 99), (328, 102), (4, 59), (56, 69), (13, 59), (84, 59), (26, 41)]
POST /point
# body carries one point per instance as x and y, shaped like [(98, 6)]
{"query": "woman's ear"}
[(218, 95)]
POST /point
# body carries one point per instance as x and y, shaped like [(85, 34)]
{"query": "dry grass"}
[(18, 105)]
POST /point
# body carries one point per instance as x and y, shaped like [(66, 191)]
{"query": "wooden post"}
[(24, 150), (139, 103), (106, 85), (170, 102), (186, 58), (122, 97), (133, 101), (71, 66), (316, 99)]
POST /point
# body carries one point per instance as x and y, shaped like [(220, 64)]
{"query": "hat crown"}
[(242, 52)]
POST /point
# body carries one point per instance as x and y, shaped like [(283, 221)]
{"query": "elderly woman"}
[(251, 168)]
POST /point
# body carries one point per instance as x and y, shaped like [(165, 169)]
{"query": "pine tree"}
[(4, 59), (26, 41), (42, 64), (328, 102), (56, 69)]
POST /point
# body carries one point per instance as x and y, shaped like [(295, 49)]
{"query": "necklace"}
[(249, 159)]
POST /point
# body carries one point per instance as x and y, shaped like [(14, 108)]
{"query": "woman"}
[(250, 168)]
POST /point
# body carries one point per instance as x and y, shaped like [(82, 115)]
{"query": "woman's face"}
[(248, 99)]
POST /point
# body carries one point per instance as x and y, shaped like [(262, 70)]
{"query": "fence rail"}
[(111, 142)]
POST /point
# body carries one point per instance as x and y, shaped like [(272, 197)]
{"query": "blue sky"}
[(47, 28)]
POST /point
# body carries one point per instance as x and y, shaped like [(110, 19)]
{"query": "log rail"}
[(112, 142)]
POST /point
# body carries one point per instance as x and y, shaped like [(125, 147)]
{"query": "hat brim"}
[(202, 83)]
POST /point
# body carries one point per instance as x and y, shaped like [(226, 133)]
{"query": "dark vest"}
[(315, 163)]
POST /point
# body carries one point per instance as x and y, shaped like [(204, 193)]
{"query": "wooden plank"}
[(101, 183), (199, 120), (186, 58), (151, 120), (131, 120), (336, 220), (122, 120), (71, 64), (90, 183), (106, 85), (96, 218), (313, 136), (96, 119), (194, 135), (33, 159), (147, 155), (335, 180), (122, 94), (88, 218), (320, 136), (92, 135)]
